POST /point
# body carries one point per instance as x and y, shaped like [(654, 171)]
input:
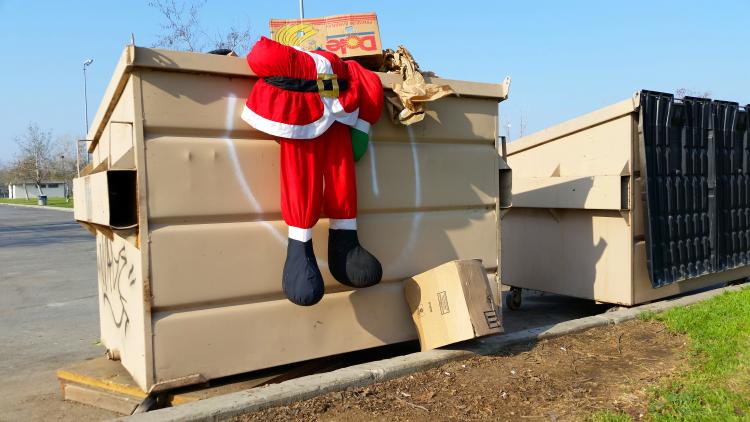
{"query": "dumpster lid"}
[(180, 61)]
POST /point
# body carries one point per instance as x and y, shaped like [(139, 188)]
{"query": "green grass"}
[(716, 384), (647, 315), (52, 201)]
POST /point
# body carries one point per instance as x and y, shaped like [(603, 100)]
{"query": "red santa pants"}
[(305, 164)]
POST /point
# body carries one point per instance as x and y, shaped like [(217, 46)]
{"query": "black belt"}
[(326, 84)]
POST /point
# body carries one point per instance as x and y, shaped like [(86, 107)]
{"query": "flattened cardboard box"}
[(452, 303), (348, 36)]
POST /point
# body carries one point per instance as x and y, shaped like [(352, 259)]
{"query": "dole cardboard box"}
[(452, 303), (349, 36)]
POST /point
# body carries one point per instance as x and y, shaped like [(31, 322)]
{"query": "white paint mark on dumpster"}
[(239, 175), (417, 216), (373, 170), (229, 124)]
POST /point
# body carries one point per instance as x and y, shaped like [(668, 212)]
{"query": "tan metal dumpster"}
[(183, 197), (634, 202)]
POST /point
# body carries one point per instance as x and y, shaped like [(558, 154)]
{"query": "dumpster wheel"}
[(514, 298)]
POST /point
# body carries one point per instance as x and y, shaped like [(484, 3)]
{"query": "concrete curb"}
[(38, 207), (227, 406)]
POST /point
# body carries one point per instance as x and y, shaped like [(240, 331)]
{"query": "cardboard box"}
[(452, 303), (349, 36)]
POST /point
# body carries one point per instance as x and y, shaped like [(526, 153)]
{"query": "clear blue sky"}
[(566, 57)]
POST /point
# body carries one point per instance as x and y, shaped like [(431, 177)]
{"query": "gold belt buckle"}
[(330, 93)]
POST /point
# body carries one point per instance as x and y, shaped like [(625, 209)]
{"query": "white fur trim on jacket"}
[(362, 126), (333, 111)]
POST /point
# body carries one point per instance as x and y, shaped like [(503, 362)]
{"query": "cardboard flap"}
[(478, 295), (438, 307), (451, 303)]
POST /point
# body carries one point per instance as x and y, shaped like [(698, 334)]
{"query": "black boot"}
[(302, 282), (349, 262)]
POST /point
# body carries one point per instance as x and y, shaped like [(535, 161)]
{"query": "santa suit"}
[(310, 101)]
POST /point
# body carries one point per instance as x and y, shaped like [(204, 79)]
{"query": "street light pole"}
[(302, 9), (86, 64)]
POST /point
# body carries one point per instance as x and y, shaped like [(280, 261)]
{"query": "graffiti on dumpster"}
[(115, 273)]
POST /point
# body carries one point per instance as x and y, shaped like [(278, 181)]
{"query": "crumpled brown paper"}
[(408, 106)]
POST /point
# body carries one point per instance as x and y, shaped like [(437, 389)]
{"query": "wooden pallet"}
[(105, 384)]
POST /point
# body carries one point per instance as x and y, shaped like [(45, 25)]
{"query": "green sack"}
[(359, 143)]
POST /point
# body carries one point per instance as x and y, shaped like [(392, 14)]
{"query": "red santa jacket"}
[(300, 94)]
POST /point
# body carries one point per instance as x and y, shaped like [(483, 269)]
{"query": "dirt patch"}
[(568, 378)]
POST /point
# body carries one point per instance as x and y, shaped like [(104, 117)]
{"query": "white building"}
[(21, 190)]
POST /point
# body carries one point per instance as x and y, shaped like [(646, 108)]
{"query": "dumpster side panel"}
[(121, 146), (121, 304), (139, 154), (194, 177), (115, 144), (603, 149), (190, 104), (567, 231), (119, 131), (243, 260), (594, 192), (225, 340), (216, 244), (124, 307), (100, 154), (212, 104), (208, 170), (580, 253)]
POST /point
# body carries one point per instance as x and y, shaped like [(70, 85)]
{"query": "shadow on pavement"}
[(41, 234)]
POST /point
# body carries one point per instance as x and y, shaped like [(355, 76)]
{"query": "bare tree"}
[(19, 170), (11, 174), (235, 39), (686, 92), (181, 29), (34, 163), (5, 178)]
